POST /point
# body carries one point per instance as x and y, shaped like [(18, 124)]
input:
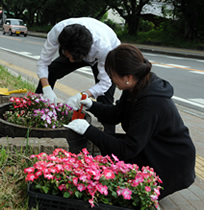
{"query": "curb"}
[(172, 53), (188, 53)]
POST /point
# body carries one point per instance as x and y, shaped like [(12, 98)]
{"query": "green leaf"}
[(114, 194), (66, 194), (37, 186), (78, 194), (45, 189)]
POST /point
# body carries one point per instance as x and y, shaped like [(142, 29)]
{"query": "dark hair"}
[(126, 59), (77, 40)]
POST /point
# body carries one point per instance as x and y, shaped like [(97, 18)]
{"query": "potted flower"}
[(34, 116), (63, 177), (36, 112)]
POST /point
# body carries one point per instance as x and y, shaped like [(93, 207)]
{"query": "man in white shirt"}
[(81, 42)]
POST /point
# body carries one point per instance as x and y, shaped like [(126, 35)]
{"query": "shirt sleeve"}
[(49, 50), (104, 81)]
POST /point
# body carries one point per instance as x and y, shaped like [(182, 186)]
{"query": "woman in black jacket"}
[(154, 133)]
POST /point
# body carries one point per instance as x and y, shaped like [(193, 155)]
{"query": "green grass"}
[(7, 80), (13, 188)]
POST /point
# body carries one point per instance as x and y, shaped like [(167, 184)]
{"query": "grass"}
[(8, 80), (13, 188)]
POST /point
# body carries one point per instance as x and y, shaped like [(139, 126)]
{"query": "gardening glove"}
[(48, 93), (74, 101), (80, 126), (87, 103)]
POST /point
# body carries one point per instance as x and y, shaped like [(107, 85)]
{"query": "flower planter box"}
[(45, 202), (76, 142)]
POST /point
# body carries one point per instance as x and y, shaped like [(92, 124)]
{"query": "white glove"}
[(79, 126), (87, 103), (74, 101), (48, 93)]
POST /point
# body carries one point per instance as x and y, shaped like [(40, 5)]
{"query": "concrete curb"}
[(189, 53)]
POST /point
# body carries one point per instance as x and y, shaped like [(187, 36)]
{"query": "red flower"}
[(109, 174)]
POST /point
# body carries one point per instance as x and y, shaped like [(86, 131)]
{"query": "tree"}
[(130, 10), (189, 18), (54, 10), (43, 12)]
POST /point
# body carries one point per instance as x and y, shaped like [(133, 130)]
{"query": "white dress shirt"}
[(104, 40)]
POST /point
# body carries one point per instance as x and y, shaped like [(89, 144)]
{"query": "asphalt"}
[(190, 53), (193, 197)]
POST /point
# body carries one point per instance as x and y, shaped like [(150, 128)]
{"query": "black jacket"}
[(155, 134)]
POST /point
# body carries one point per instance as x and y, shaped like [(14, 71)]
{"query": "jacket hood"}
[(157, 87)]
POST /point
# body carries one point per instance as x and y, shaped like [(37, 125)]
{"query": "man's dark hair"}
[(77, 40)]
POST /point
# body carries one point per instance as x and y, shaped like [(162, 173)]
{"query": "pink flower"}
[(81, 187), (49, 176), (29, 170), (62, 187), (59, 167), (26, 107), (48, 119), (95, 177), (148, 189), (91, 201), (157, 191), (103, 189), (85, 151), (115, 158), (75, 181), (154, 197), (119, 191), (30, 177), (38, 173), (109, 174), (126, 193), (43, 117)]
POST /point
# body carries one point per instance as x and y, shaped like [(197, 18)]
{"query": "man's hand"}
[(48, 93), (80, 126)]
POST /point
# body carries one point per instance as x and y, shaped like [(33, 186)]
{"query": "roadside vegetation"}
[(13, 189), (8, 80), (148, 34)]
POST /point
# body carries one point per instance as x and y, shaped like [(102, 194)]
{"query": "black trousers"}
[(61, 67)]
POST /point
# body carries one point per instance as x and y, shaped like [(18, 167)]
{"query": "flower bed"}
[(36, 112), (94, 179), (21, 111)]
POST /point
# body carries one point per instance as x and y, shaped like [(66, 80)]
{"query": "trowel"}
[(4, 91)]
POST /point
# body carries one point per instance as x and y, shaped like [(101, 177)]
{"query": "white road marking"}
[(162, 65), (180, 66), (188, 101), (172, 57), (197, 100), (200, 61), (85, 70), (196, 72), (26, 54)]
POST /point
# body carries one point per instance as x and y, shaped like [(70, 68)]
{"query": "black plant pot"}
[(51, 202), (76, 142)]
